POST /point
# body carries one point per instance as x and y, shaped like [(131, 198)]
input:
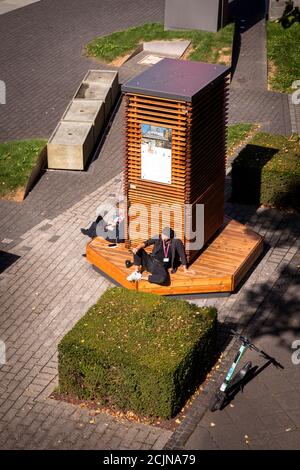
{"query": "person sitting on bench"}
[(168, 252), (110, 230)]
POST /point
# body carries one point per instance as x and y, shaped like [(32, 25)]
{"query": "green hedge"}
[(139, 352), (267, 171)]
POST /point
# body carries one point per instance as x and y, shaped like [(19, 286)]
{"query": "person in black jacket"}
[(168, 252)]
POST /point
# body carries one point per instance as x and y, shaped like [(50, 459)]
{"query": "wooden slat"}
[(198, 154), (215, 270)]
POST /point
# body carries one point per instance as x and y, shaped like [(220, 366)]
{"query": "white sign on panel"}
[(156, 164)]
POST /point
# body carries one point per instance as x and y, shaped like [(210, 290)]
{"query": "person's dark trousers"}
[(92, 230), (159, 275), (116, 235)]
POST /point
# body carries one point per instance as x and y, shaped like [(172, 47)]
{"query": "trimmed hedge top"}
[(156, 330), (139, 352)]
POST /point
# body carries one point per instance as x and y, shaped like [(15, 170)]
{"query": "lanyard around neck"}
[(166, 249)]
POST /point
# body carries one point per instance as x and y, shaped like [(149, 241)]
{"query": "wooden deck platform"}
[(219, 268)]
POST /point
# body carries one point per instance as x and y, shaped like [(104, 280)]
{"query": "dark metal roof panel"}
[(175, 79)]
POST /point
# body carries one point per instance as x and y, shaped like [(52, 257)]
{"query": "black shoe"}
[(84, 231), (174, 270), (128, 263)]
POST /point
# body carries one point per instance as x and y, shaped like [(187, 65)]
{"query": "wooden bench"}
[(220, 267)]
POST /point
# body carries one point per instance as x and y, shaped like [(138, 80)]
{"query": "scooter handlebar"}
[(246, 341)]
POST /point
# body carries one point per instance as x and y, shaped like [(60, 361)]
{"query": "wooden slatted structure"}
[(190, 98), (184, 104), (219, 268)]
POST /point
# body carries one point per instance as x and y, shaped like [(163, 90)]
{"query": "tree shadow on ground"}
[(232, 391), (247, 171), (280, 228), (245, 15), (271, 305), (6, 260), (278, 314)]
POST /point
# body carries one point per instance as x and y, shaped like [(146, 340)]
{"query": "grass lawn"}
[(17, 158), (283, 55), (206, 46), (237, 133)]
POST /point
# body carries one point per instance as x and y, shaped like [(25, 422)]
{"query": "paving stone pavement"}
[(266, 415), (48, 288), (42, 58), (58, 190), (250, 99), (295, 113), (267, 108), (43, 75), (267, 309), (43, 293), (51, 61), (251, 68), (46, 285)]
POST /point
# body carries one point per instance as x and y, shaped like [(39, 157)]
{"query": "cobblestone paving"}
[(43, 293), (267, 306), (250, 100), (266, 415), (295, 113), (267, 108), (58, 190), (42, 58), (46, 285)]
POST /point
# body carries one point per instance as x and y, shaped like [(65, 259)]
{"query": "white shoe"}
[(135, 276)]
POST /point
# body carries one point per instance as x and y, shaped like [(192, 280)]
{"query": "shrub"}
[(139, 352), (267, 171)]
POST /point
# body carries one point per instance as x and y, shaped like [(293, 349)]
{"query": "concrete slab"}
[(104, 76), (82, 110), (109, 78), (89, 111), (150, 59), (70, 146), (92, 91), (6, 7), (19, 3), (10, 5), (170, 48), (95, 91)]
